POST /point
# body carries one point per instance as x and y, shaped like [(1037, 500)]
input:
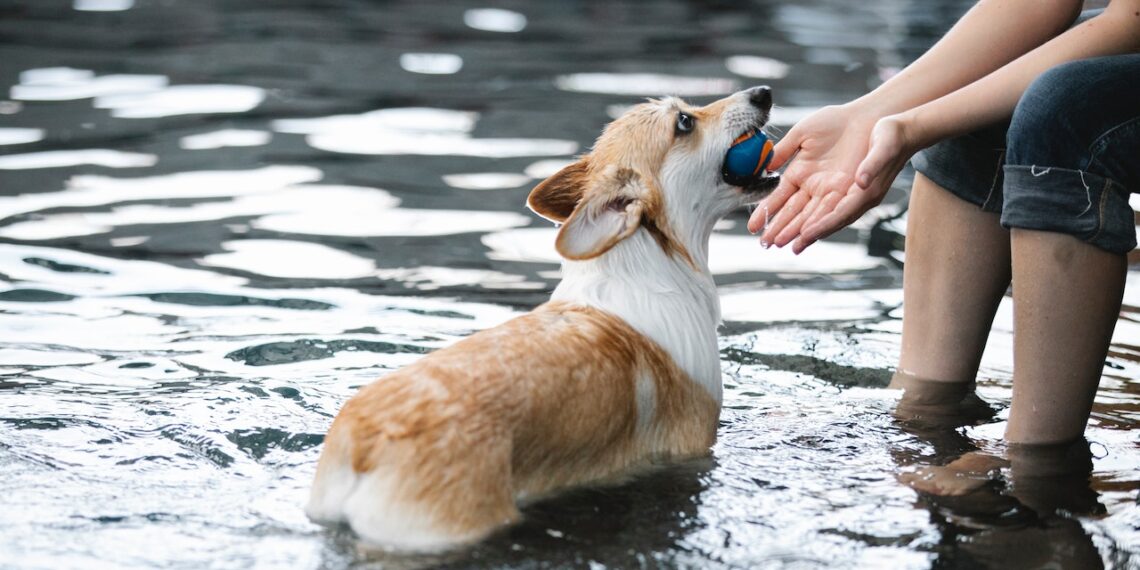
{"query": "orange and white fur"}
[(619, 370)]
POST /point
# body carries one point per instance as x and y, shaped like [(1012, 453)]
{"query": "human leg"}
[(956, 272), (1073, 147), (1067, 297)]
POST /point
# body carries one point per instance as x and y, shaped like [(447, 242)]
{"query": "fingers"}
[(771, 204), (826, 205), (873, 165), (792, 230), (885, 149), (785, 148), (825, 208), (846, 211), (759, 218), (783, 217)]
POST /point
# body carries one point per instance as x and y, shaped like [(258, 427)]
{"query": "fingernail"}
[(764, 243)]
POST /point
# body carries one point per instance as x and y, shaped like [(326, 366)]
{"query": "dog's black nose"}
[(761, 97)]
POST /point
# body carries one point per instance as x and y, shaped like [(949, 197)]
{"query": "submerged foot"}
[(936, 404), (962, 476)]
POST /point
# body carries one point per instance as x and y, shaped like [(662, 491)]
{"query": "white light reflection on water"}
[(134, 96), (182, 100), (91, 190), (225, 138), (545, 168), (727, 253), (20, 136), (431, 63), (757, 67), (418, 131), (24, 357), (66, 83), (393, 222), (290, 260), (486, 180), (494, 20), (63, 158), (439, 145), (645, 84), (753, 304), (103, 5), (316, 200), (415, 119), (316, 209)]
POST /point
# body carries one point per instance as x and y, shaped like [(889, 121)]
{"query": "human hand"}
[(840, 173), (828, 147), (891, 148)]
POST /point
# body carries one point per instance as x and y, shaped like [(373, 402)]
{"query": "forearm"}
[(992, 34), (993, 97)]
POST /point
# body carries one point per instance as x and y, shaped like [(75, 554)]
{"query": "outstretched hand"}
[(844, 164)]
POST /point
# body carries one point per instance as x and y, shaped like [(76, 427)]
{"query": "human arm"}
[(832, 142), (897, 137)]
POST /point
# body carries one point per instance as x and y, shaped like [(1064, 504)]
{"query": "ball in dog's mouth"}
[(745, 164)]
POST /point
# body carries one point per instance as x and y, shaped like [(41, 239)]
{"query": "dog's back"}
[(438, 452)]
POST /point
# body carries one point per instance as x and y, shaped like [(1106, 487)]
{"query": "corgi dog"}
[(618, 371)]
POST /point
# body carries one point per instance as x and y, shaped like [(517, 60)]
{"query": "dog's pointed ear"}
[(610, 213), (556, 197)]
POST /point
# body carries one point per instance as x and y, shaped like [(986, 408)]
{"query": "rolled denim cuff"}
[(1089, 207), (968, 167)]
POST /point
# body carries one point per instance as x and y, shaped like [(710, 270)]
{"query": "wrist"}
[(879, 103), (912, 130)]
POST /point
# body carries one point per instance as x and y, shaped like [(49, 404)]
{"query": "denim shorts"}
[(1066, 161)]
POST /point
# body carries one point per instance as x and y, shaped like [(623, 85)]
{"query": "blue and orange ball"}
[(747, 158)]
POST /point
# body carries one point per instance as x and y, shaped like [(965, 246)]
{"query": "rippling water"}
[(218, 219)]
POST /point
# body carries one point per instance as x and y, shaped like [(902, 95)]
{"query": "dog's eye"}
[(685, 123)]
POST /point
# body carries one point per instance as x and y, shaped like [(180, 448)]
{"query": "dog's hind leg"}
[(429, 499), (335, 480)]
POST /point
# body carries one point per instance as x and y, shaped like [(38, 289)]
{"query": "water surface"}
[(218, 219)]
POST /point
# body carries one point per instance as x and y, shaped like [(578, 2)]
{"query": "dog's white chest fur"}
[(662, 298)]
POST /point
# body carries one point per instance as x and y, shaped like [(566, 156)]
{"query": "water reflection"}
[(494, 20), (286, 259), (727, 253), (757, 67), (225, 138), (486, 180), (60, 158), (182, 100), (103, 5), (10, 136), (416, 131), (431, 63), (65, 83), (646, 84), (134, 96)]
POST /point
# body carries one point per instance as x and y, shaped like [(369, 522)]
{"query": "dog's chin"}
[(756, 189)]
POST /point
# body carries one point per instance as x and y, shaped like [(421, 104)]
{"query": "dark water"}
[(220, 218)]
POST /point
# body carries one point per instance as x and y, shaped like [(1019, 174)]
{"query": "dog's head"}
[(657, 167)]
